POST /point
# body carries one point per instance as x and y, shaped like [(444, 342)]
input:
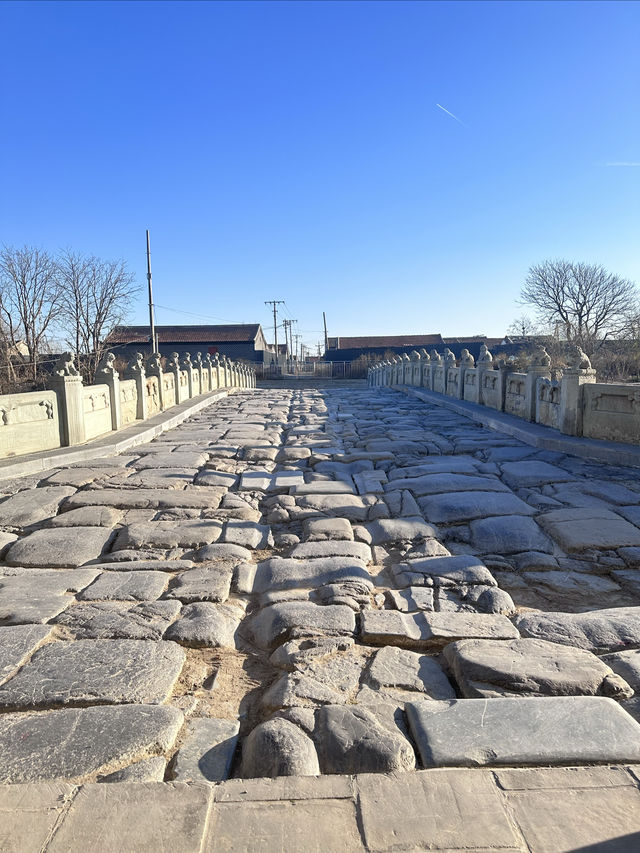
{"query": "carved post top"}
[(466, 359), (207, 359), (405, 357), (424, 355), (174, 361), (484, 358), (541, 358), (106, 366), (185, 361), (198, 359), (65, 365), (435, 356), (415, 355), (136, 365), (154, 363), (578, 359), (448, 355)]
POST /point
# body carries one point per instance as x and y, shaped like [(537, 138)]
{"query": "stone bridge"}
[(432, 626)]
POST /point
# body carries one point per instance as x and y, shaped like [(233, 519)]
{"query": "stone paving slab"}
[(530, 811), (523, 731)]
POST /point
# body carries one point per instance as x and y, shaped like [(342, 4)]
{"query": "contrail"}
[(622, 164), (450, 114)]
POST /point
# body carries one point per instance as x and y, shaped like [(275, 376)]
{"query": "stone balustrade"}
[(570, 401), (71, 413)]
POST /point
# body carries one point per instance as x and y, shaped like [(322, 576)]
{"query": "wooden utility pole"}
[(152, 325), (326, 339), (275, 303)]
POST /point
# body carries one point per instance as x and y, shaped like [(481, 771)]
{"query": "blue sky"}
[(295, 151)]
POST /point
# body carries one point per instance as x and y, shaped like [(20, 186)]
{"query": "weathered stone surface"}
[(487, 668), (37, 595), (443, 571), (210, 583), (221, 551), (433, 484), (351, 507), (404, 670), (132, 817), (277, 573), (581, 529), (131, 565), (216, 478), (298, 618), (533, 472), (523, 731), (6, 539), (168, 534), (147, 770), (248, 534), (207, 752), (90, 516), (102, 671), (17, 642), (144, 499), (125, 586), (32, 505), (75, 742), (431, 630), (449, 810), (608, 630), (332, 548), (278, 748), (176, 459), (455, 508), (206, 625), (119, 620), (353, 740), (508, 535), (411, 599), (323, 529), (626, 665), (389, 530), (59, 548)]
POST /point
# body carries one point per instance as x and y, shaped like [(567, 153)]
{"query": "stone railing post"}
[(208, 367), (174, 367), (573, 378), (218, 370), (107, 374), (466, 361), (135, 370), (67, 383), (540, 368), (435, 362), (154, 368), (449, 361), (185, 364), (199, 368)]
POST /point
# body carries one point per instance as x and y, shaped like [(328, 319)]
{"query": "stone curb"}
[(538, 810), (535, 435), (129, 436)]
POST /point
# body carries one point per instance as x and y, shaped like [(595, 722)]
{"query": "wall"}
[(71, 413), (28, 422), (574, 403)]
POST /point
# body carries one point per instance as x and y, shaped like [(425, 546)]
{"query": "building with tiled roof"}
[(244, 341)]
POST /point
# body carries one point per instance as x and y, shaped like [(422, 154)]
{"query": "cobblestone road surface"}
[(304, 582)]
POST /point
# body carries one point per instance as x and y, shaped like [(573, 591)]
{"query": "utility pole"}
[(297, 337), (152, 325), (326, 339), (275, 303)]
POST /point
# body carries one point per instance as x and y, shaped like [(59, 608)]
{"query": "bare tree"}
[(523, 327), (589, 303), (96, 297), (29, 297)]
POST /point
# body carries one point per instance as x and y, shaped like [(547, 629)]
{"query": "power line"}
[(275, 303)]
